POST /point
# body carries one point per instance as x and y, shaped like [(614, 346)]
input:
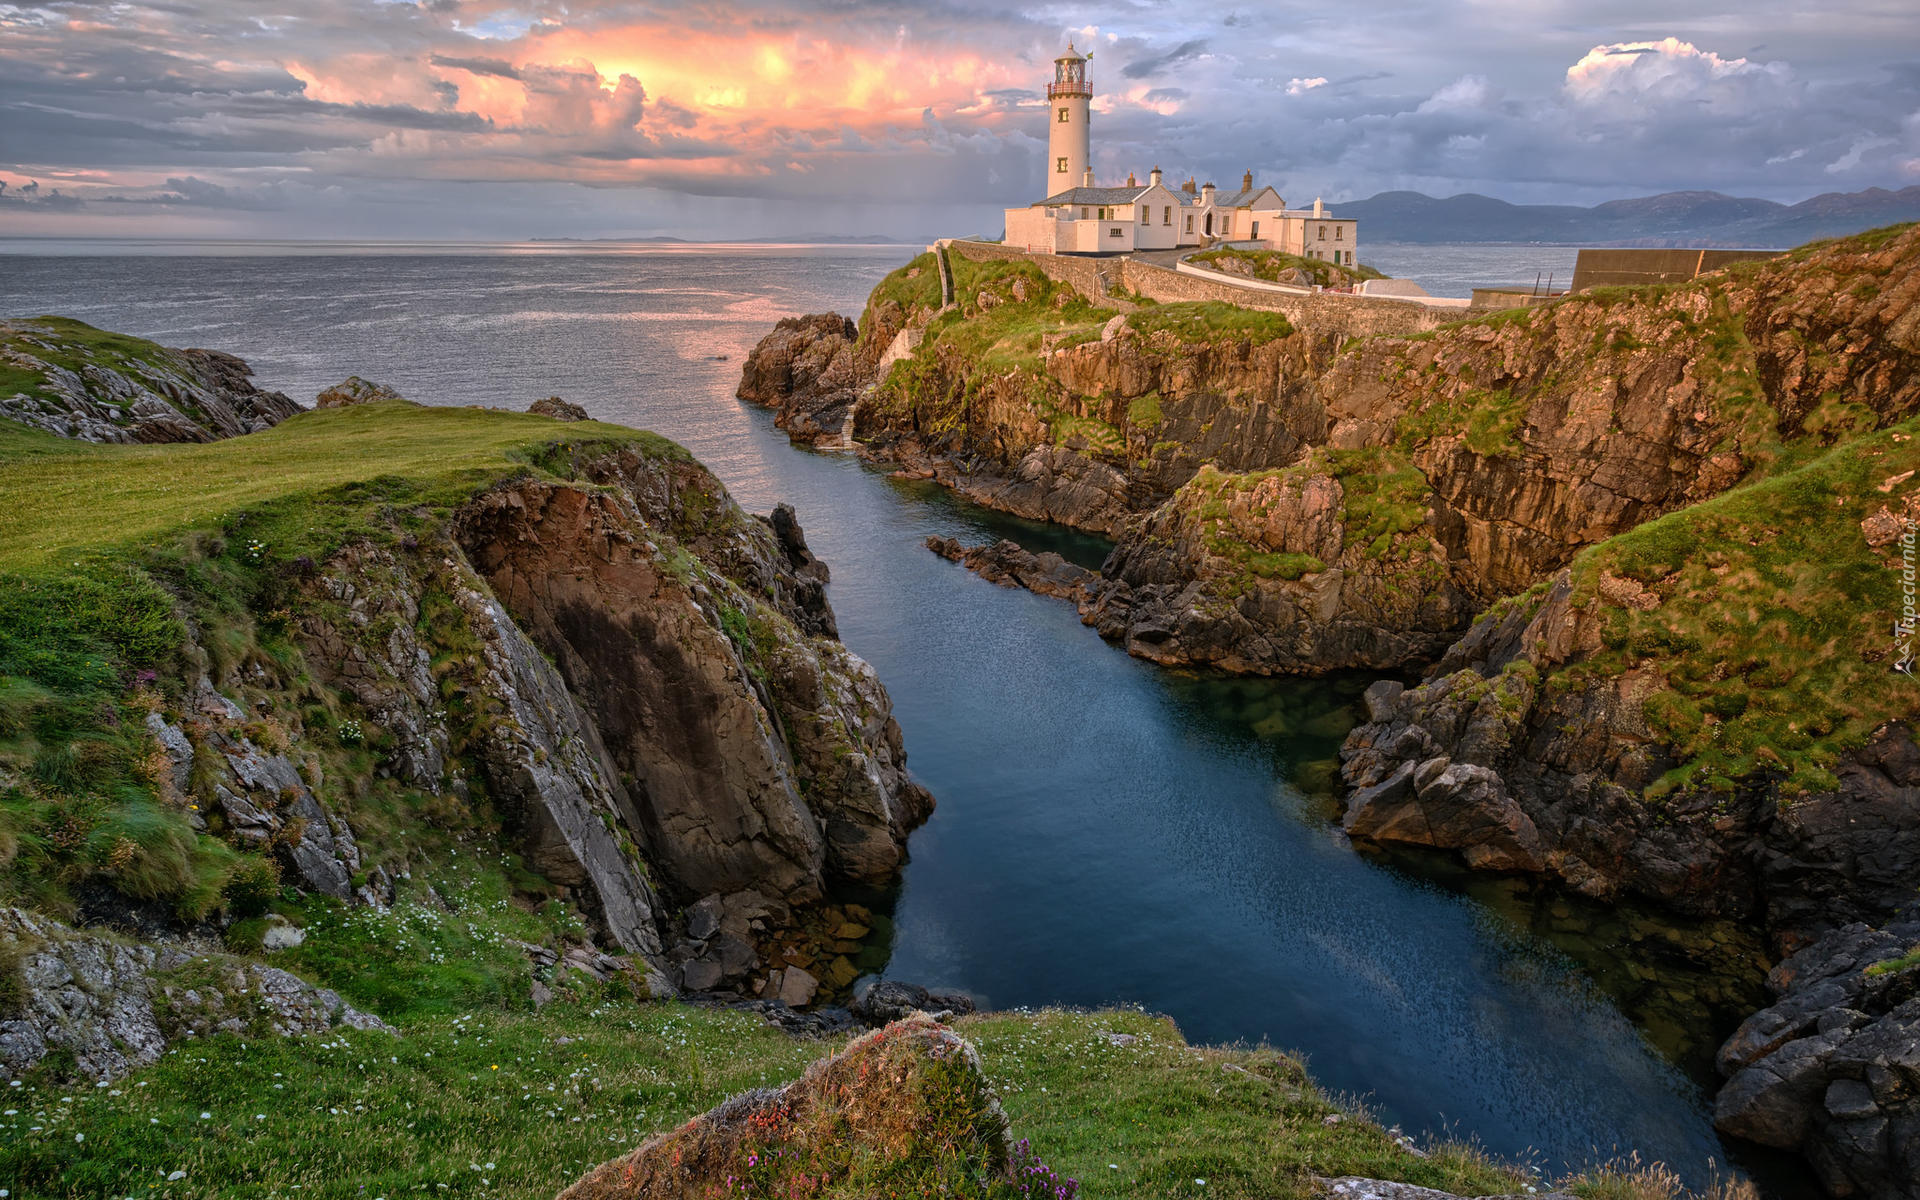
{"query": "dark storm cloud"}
[(1145, 68), (496, 67)]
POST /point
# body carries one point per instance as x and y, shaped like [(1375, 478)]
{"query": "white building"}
[(1078, 217)]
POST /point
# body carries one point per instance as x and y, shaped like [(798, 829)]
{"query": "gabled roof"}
[(1096, 195), (1242, 199)]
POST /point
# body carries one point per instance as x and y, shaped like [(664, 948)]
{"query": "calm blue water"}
[(1107, 831)]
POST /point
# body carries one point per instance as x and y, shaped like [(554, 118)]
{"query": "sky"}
[(488, 119)]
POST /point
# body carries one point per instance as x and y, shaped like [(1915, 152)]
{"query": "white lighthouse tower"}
[(1068, 163)]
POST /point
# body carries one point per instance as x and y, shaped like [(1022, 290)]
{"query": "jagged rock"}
[(1007, 564), (866, 1102), (558, 409), (160, 395), (809, 368), (1832, 1068), (893, 1000), (115, 1005), (355, 390)]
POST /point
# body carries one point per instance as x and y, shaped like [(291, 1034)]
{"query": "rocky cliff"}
[(71, 379), (580, 652), (1283, 504)]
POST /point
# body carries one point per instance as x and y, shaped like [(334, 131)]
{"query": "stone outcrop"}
[(1009, 565), (808, 369), (1832, 1068), (868, 1109), (104, 1006), (98, 387), (558, 409), (355, 390)]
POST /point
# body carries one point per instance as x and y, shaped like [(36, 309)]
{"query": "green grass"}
[(55, 491), (1210, 320), (1774, 631), (1269, 264), (501, 1104), (74, 346)]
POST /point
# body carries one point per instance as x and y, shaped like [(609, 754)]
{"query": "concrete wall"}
[(1615, 267)]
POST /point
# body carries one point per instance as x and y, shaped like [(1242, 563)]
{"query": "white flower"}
[(79, 1137), (206, 1116), (1201, 1182), (176, 1175)]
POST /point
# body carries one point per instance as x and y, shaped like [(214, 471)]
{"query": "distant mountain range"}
[(1703, 219)]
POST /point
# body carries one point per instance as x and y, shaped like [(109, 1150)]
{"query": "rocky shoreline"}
[(1485, 501)]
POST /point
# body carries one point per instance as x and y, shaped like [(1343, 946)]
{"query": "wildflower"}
[(79, 1137), (177, 1175)]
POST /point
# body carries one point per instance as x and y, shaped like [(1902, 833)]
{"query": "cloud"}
[(636, 111), (1187, 51)]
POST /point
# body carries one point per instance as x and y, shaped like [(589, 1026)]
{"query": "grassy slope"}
[(500, 1104), (61, 496), (1774, 631)]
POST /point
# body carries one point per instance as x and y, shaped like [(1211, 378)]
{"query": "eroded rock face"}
[(862, 1108), (103, 388), (1560, 775), (1832, 1069), (558, 409), (115, 1006), (543, 761)]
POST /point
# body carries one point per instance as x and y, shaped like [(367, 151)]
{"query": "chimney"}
[(1188, 187), (1130, 180), (1319, 209), (1246, 182), (1088, 181), (1206, 192), (1153, 177)]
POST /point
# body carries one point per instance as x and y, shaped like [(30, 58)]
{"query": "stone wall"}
[(1633, 267)]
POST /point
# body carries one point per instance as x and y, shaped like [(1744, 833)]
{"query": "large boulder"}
[(909, 1099), (355, 390), (1832, 1068)]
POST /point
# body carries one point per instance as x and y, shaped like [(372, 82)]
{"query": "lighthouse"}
[(1067, 145)]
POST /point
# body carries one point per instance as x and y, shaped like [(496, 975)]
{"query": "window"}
[(1323, 228), (1060, 165), (1166, 215), (1117, 231), (1226, 225), (1064, 118), (1339, 232), (1256, 230), (1146, 217), (1189, 222), (1084, 213)]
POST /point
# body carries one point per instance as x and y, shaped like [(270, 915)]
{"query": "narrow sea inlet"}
[(1107, 831)]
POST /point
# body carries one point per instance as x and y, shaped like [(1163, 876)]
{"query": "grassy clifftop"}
[(64, 496)]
